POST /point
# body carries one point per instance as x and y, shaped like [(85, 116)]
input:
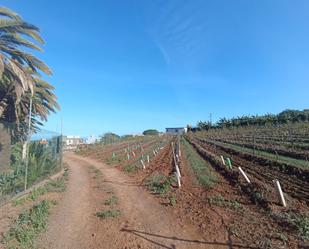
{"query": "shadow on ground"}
[(143, 235)]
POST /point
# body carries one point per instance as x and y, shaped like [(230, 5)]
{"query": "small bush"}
[(108, 213)]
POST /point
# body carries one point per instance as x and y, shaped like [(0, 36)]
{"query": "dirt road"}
[(143, 222)]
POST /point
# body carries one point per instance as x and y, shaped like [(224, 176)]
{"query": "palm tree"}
[(19, 70)]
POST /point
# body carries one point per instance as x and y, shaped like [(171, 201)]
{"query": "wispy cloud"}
[(177, 28)]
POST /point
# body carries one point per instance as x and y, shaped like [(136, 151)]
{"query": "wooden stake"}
[(148, 159), (244, 174), (143, 164), (222, 160), (280, 193)]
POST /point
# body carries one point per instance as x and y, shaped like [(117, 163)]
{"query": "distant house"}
[(72, 142), (176, 131)]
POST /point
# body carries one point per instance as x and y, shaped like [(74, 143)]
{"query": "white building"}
[(176, 131), (91, 139), (72, 142)]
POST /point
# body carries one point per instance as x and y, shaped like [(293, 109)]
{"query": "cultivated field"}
[(185, 192)]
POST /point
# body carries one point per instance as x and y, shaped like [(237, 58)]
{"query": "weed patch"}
[(108, 214), (220, 201), (295, 221), (159, 184), (111, 201), (27, 227)]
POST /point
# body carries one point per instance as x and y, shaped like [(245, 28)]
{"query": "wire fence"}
[(26, 160)]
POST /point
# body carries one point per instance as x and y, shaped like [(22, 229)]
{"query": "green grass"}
[(159, 184), (27, 227), (267, 155), (108, 214), (220, 201), (58, 185), (201, 168), (299, 222), (111, 201)]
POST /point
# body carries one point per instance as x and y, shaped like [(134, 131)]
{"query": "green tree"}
[(109, 138), (151, 132)]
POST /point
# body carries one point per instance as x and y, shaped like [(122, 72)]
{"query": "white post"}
[(154, 153), (148, 159), (244, 174), (280, 193), (178, 180), (222, 160), (178, 171), (143, 164)]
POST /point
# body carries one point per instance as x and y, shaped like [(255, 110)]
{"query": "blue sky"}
[(129, 65)]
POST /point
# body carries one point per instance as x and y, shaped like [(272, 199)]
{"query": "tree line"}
[(284, 117)]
